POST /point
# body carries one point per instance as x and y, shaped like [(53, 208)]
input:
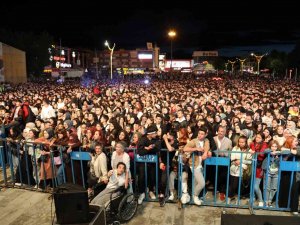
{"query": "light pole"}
[(232, 64), (242, 61), (111, 54), (258, 59), (226, 65), (171, 34)]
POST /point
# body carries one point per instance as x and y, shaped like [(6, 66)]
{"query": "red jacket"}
[(259, 147)]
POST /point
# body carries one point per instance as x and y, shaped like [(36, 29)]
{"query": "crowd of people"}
[(193, 118)]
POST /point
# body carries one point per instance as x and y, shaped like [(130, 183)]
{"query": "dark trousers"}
[(295, 196), (163, 181), (233, 186), (151, 175), (222, 178)]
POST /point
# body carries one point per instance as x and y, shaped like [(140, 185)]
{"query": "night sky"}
[(231, 27)]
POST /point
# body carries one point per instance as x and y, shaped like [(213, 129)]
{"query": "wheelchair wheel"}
[(127, 207)]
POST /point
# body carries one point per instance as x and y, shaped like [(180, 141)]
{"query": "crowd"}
[(189, 117)]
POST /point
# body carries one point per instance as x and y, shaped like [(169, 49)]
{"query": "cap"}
[(151, 130)]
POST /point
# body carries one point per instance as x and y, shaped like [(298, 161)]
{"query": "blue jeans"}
[(257, 189), (272, 186), (60, 176)]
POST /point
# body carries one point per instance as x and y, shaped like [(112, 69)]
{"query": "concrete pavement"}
[(23, 207)]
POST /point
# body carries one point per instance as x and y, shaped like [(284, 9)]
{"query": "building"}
[(131, 61), (12, 64), (201, 56), (68, 61)]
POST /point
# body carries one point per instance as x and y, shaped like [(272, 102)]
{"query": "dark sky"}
[(200, 25)]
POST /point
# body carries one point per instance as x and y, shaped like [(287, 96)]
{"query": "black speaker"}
[(71, 204), (236, 219)]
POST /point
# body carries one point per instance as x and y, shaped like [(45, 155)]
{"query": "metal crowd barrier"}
[(292, 166), (25, 161)]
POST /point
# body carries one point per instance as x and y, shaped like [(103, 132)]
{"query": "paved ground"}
[(23, 207)]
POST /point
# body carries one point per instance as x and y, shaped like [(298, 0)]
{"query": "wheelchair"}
[(122, 208)]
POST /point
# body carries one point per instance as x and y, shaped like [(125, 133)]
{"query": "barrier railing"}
[(26, 165)]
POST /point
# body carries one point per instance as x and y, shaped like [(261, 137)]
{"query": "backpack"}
[(28, 115)]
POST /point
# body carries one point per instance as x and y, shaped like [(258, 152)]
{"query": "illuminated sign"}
[(178, 63), (63, 65), (57, 58), (161, 57), (205, 53), (145, 56), (47, 70)]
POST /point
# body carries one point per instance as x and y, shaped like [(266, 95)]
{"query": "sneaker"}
[(162, 200), (222, 197), (152, 195), (185, 198), (171, 198), (141, 198), (18, 184), (197, 201), (295, 213), (260, 204)]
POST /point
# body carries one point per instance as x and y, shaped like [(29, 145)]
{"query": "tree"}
[(277, 62), (294, 56)]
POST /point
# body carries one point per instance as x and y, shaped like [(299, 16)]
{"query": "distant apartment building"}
[(138, 60)]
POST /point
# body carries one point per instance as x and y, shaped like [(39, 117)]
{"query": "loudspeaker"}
[(71, 204), (235, 219)]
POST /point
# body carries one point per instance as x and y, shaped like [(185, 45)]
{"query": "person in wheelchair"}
[(116, 180)]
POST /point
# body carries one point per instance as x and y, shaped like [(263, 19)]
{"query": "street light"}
[(232, 64), (242, 61), (111, 54), (171, 34), (258, 59), (226, 65)]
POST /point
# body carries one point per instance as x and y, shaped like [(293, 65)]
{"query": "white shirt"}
[(47, 112), (116, 180)]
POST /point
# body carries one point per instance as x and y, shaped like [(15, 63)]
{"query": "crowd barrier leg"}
[(2, 160), (179, 184), (193, 179), (82, 172), (62, 164), (156, 179), (146, 181), (168, 175), (11, 164), (18, 169), (45, 173), (27, 165), (72, 169), (53, 178), (36, 168)]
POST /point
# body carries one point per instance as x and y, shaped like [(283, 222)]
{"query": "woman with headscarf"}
[(68, 124), (46, 171)]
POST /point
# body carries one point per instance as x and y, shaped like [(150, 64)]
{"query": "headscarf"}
[(69, 123)]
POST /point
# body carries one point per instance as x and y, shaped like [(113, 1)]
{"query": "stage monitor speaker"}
[(71, 204), (235, 219)]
